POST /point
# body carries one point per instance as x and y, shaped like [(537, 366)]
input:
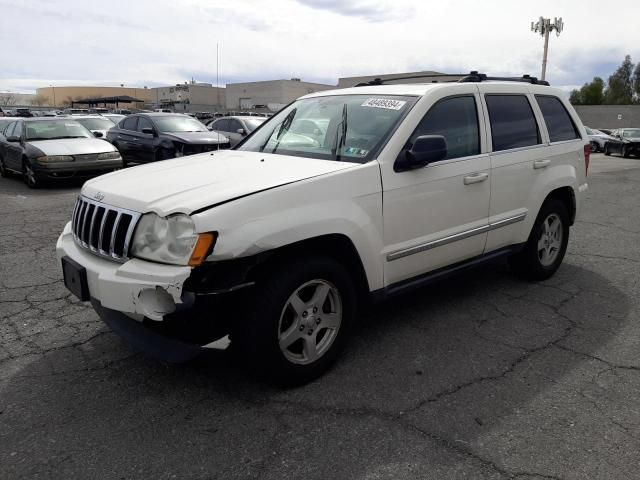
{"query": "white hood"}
[(190, 183), (72, 146)]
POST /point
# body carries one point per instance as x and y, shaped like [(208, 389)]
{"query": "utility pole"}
[(217, 84), (543, 26)]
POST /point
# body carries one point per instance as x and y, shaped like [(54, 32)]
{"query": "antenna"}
[(543, 26)]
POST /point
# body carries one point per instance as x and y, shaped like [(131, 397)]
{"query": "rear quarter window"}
[(559, 123)]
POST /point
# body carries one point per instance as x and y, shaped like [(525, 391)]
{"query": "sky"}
[(158, 42)]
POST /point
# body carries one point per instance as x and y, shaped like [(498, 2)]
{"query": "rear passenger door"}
[(518, 156)]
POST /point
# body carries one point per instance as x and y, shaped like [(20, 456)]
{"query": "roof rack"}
[(473, 76), (481, 77)]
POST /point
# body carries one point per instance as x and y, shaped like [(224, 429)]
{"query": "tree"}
[(40, 100), (636, 83), (575, 98), (593, 93), (7, 99), (619, 89)]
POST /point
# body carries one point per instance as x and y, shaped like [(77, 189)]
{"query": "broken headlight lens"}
[(166, 240)]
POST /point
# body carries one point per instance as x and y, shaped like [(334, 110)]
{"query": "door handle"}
[(541, 164), (475, 178)]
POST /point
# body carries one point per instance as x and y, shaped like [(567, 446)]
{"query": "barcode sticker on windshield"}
[(384, 103)]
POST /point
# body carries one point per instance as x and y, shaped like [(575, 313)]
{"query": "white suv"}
[(343, 196)]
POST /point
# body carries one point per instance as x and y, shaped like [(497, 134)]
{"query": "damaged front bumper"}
[(137, 288)]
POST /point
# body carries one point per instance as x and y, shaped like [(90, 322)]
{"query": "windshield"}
[(53, 129), (253, 123), (115, 119), (95, 123), (351, 128), (631, 132), (179, 124)]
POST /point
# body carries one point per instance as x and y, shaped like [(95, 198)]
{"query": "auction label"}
[(384, 103)]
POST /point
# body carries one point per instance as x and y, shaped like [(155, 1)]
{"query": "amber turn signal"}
[(203, 248)]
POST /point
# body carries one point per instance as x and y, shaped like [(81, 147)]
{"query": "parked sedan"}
[(625, 141), (237, 127), (148, 137), (95, 124), (597, 139), (44, 149)]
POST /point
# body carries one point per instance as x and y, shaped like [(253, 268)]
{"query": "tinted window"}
[(222, 125), (456, 119), (513, 124), (144, 123), (179, 124), (234, 125), (17, 130), (8, 131), (130, 123), (559, 123)]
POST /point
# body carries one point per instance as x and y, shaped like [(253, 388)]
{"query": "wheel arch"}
[(567, 196)]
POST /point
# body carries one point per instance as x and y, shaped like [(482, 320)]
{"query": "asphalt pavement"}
[(482, 376)]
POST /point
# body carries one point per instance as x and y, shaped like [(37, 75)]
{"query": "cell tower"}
[(543, 26)]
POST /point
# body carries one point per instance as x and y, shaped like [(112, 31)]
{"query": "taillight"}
[(587, 157)]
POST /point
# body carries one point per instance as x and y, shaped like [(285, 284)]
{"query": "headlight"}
[(55, 158), (108, 156), (171, 240)]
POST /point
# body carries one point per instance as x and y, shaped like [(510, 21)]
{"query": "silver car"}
[(46, 149), (597, 139)]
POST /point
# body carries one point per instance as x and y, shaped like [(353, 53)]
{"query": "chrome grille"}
[(102, 229)]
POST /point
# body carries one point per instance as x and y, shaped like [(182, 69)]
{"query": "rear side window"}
[(456, 119), (559, 123), (130, 123), (513, 124)]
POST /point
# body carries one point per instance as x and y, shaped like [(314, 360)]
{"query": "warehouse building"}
[(63, 96), (189, 97), (270, 95)]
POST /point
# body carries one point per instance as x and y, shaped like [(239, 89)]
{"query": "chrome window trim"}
[(405, 252)]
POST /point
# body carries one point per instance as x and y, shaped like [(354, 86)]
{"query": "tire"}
[(312, 334), (625, 152), (606, 149), (594, 147), (4, 173), (547, 243), (29, 175), (165, 154)]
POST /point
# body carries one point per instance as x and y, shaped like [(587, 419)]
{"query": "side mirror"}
[(240, 131), (147, 131), (98, 134), (426, 149), (13, 138)]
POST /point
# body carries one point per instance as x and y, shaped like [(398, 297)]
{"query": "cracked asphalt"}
[(482, 376)]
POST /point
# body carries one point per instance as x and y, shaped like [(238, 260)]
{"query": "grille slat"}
[(102, 229)]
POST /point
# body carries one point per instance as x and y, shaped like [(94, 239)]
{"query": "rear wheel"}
[(299, 321), (606, 149), (29, 174), (547, 243)]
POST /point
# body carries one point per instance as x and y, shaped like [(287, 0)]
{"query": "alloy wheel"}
[(550, 241), (309, 322)]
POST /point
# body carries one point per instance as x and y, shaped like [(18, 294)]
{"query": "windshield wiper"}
[(284, 127), (342, 139)]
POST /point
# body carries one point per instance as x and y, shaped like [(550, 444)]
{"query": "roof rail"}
[(473, 76), (481, 77), (381, 81)]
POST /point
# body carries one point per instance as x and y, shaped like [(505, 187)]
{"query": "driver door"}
[(437, 215)]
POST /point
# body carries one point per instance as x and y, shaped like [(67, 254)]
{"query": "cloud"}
[(162, 42), (373, 12)]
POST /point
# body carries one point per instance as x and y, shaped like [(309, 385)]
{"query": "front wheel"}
[(594, 147), (3, 169), (606, 149), (625, 152), (299, 322), (165, 154), (547, 243), (29, 174)]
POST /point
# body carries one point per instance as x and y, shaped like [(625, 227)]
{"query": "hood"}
[(190, 183), (72, 146), (198, 137)]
